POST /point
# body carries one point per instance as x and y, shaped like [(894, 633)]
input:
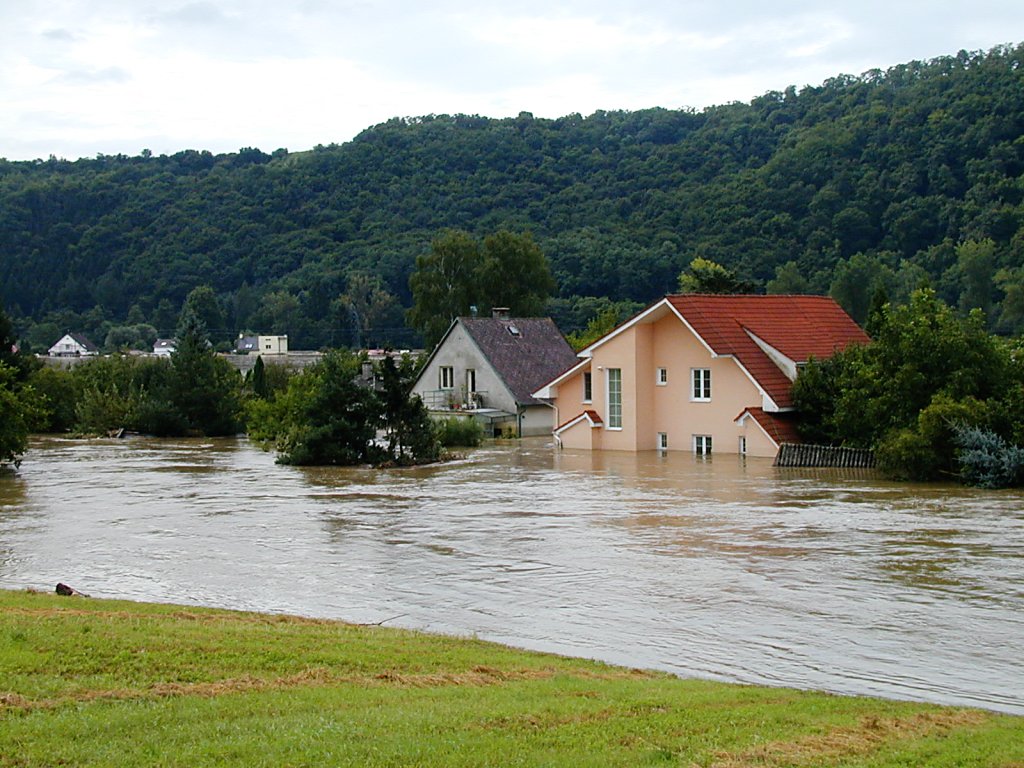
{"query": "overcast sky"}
[(81, 77)]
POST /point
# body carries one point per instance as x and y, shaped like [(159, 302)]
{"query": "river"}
[(722, 568)]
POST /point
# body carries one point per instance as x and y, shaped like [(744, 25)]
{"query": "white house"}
[(489, 366), (164, 347), (73, 345)]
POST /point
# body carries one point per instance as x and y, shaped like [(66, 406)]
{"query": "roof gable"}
[(525, 352), (797, 327)]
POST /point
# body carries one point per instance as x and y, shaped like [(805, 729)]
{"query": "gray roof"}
[(526, 352), (83, 341)]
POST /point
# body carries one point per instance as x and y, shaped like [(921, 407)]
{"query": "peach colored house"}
[(697, 372)]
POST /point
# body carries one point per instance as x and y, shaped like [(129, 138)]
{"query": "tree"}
[(514, 274), (411, 435), (204, 387), (706, 276), (927, 370), (507, 270), (443, 284), (788, 280), (202, 302), (21, 411), (336, 421), (975, 265)]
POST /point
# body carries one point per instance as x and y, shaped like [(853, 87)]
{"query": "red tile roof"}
[(780, 427), (797, 326), (592, 416)]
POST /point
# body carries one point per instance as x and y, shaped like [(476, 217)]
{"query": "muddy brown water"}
[(720, 569)]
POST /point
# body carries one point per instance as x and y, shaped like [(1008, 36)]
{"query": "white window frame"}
[(663, 441), (743, 445), (702, 445), (588, 387), (700, 385), (446, 377), (470, 381), (614, 398), (661, 377)]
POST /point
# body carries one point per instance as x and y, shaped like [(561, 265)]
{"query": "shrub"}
[(463, 432), (986, 460)]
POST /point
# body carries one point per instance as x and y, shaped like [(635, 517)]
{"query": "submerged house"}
[(488, 367), (697, 372)]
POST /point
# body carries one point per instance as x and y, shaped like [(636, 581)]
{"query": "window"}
[(701, 384), (743, 445), (614, 398), (470, 380), (662, 441), (446, 377), (702, 445), (662, 378), (588, 387)]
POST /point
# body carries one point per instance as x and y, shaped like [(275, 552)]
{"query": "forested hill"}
[(860, 180)]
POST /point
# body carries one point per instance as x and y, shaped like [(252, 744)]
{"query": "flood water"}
[(721, 569)]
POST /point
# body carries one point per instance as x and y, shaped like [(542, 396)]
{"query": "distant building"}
[(73, 345), (165, 347), (262, 345)]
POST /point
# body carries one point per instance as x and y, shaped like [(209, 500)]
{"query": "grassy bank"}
[(91, 682)]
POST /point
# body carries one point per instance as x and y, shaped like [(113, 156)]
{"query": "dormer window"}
[(514, 330)]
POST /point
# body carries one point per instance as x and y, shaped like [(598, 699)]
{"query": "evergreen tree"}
[(204, 387)]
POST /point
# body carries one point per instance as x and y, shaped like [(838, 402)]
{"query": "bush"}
[(988, 461), (462, 432)]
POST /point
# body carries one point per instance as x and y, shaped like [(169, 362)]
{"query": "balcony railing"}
[(454, 400)]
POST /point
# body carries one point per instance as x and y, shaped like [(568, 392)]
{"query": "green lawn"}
[(94, 682)]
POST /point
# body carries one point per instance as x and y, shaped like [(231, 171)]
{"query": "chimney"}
[(500, 313)]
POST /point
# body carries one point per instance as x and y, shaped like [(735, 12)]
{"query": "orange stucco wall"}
[(649, 408)]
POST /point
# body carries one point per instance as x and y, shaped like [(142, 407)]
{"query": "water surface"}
[(723, 569)]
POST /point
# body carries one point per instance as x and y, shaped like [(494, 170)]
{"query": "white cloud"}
[(79, 77)]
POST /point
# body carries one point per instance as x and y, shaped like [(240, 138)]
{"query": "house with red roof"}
[(697, 372)]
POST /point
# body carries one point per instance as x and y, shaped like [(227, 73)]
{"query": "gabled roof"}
[(82, 341), (764, 334), (780, 427), (593, 418), (524, 351), (797, 327)]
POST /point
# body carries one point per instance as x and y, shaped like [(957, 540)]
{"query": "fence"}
[(799, 455)]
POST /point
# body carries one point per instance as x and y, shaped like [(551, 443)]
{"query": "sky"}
[(85, 77)]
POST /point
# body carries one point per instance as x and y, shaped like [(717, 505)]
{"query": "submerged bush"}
[(460, 431), (987, 460)]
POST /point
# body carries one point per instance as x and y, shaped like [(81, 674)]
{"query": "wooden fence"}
[(800, 455)]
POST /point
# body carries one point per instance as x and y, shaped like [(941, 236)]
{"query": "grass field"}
[(92, 682)]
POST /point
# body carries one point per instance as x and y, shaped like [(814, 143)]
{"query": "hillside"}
[(860, 180)]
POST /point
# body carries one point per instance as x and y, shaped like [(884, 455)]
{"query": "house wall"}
[(581, 436), (649, 409), (272, 345), (460, 352), (537, 420), (758, 443)]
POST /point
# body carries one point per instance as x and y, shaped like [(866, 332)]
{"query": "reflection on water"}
[(718, 568)]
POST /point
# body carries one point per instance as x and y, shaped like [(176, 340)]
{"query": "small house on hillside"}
[(700, 373), (489, 367), (262, 345), (73, 345), (165, 347)]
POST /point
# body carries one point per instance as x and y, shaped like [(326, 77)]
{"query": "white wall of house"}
[(68, 347), (460, 353), (272, 345)]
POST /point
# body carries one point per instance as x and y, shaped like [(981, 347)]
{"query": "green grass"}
[(92, 682)]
